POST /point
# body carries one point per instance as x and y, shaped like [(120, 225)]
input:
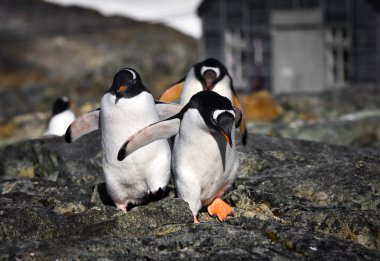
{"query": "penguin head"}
[(126, 84), (210, 72), (61, 104), (217, 112)]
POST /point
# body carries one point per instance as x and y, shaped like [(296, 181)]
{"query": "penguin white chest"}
[(202, 159), (59, 123), (146, 170)]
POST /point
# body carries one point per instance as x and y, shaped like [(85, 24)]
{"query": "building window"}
[(236, 56), (338, 55)]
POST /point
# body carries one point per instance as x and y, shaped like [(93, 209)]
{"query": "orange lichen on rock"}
[(260, 106), (7, 130)]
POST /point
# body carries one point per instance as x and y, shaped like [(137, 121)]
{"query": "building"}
[(294, 45)]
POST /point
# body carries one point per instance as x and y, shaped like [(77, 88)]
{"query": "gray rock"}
[(292, 200), (348, 116), (49, 50)]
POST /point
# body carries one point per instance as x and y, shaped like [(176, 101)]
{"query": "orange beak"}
[(227, 137), (121, 88)]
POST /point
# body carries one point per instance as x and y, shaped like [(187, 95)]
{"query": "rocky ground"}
[(292, 200), (348, 116), (49, 50)]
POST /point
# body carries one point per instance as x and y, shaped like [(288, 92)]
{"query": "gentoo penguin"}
[(61, 117), (125, 108), (204, 157), (210, 75)]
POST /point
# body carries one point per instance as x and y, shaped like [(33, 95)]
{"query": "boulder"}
[(292, 199)]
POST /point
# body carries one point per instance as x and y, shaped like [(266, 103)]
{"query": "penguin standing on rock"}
[(126, 108), (204, 157), (61, 117), (210, 75)]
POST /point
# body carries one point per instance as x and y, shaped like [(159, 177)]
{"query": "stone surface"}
[(292, 200), (348, 116), (48, 50)]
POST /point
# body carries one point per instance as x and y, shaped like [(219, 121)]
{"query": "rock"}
[(359, 129), (348, 116), (34, 35), (260, 106), (53, 159), (292, 200), (48, 50)]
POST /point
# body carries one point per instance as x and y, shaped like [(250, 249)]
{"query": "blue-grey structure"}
[(294, 45)]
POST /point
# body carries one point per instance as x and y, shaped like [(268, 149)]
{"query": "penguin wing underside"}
[(157, 131), (85, 124), (167, 110)]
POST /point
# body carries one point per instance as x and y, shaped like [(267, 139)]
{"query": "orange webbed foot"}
[(219, 208), (196, 219)]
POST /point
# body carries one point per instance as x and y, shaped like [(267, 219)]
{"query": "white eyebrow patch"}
[(65, 98), (133, 73), (218, 112), (215, 69)]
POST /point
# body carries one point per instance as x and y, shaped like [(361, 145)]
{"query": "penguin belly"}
[(59, 123), (199, 169), (145, 171)]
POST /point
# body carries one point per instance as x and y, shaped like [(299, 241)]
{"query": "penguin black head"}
[(217, 112), (209, 72), (127, 83), (60, 105)]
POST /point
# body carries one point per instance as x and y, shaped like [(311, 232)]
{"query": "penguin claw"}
[(196, 219), (219, 208)]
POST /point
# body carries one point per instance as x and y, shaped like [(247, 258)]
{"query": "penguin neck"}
[(223, 87), (193, 124), (191, 86)]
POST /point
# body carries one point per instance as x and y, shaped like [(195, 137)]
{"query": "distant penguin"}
[(125, 108), (210, 75), (61, 117), (204, 157)]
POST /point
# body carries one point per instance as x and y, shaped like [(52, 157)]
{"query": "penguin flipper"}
[(85, 124), (166, 110), (238, 116), (243, 127), (173, 92), (157, 131)]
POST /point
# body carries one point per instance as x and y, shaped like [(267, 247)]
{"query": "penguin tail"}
[(220, 209)]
